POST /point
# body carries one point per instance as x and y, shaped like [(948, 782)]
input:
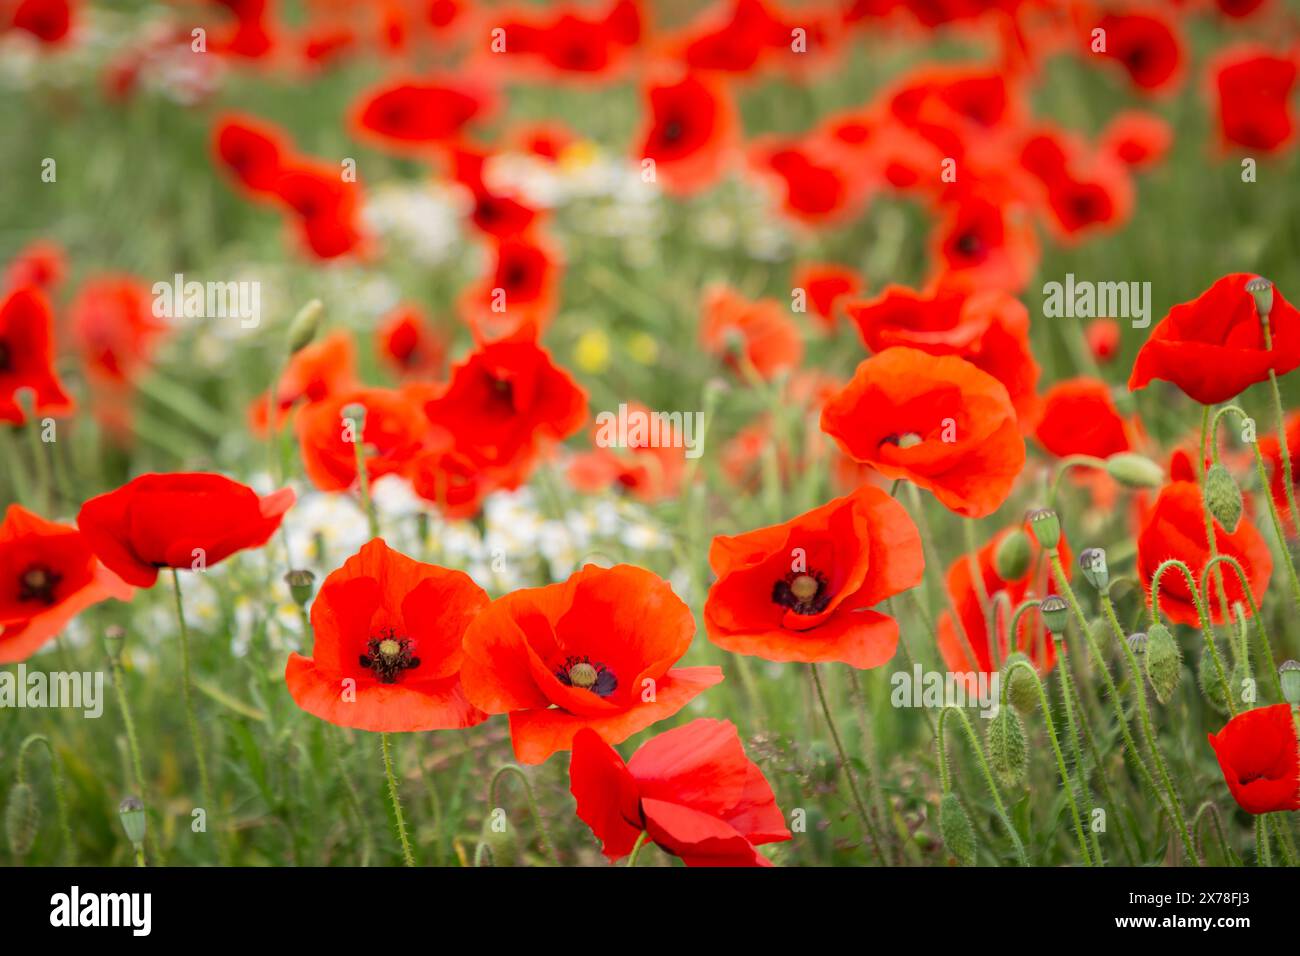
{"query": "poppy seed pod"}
[(1223, 497), (114, 641), (21, 818), (300, 583), (1288, 673), (1007, 752), (1164, 662), (1013, 554), (955, 828), (131, 812), (1093, 563), (1134, 470), (1261, 290), (1055, 613), (1046, 526), (303, 328), (1020, 686), (1137, 643)]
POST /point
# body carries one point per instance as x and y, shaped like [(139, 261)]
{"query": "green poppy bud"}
[(131, 812), (1056, 613), (300, 585), (114, 641), (1007, 752), (1093, 563), (954, 827), (21, 819), (1164, 662), (501, 839), (1134, 470), (1046, 526), (1223, 497), (305, 325), (1021, 691), (1207, 676), (1262, 292), (1012, 556), (1288, 673)]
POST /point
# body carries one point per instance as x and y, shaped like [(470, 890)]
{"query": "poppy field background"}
[(675, 292)]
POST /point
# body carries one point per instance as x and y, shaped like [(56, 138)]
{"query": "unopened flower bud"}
[(300, 583), (1046, 526), (1056, 613), (21, 819), (131, 812), (114, 641), (1207, 676), (955, 828), (500, 839), (1262, 292), (1164, 661), (1020, 685), (305, 325), (1093, 563), (1007, 752), (1134, 470), (1223, 497), (1012, 556), (1288, 673)]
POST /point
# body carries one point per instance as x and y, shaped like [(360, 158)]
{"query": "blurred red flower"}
[(407, 344), (760, 334), (804, 590), (1271, 450), (50, 21), (1137, 139), (1257, 752), (648, 472), (386, 651), (520, 289), (49, 576), (690, 130), (1253, 89), (1080, 418), (937, 421), (1147, 45), (314, 373), (392, 433), (1102, 338), (412, 114), (253, 152), (1212, 347), (692, 790), (594, 651), (178, 520), (27, 356), (40, 264), (328, 208), (827, 286)]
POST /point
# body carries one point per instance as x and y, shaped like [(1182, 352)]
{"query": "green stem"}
[(982, 760), (395, 799), (861, 805), (1229, 857), (1202, 616), (1067, 693), (636, 848), (191, 718), (1265, 647), (533, 808), (1210, 538), (1278, 822), (1263, 854), (1066, 463), (363, 476)]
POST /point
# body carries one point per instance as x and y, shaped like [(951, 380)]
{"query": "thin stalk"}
[(395, 799), (636, 848), (545, 837), (191, 717), (982, 760), (1266, 648), (861, 805), (1202, 616)]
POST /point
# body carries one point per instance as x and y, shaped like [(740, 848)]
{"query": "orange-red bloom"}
[(804, 590), (27, 356), (392, 433), (48, 576), (1175, 528), (1257, 752), (937, 421), (409, 114), (178, 520), (595, 651), (827, 285), (690, 130), (408, 345), (1213, 346), (741, 331), (1253, 88), (1080, 418), (386, 654), (1271, 450), (315, 372), (692, 790)]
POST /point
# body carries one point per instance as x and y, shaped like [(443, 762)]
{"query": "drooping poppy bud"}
[(1164, 662), (1013, 554), (1020, 686), (1207, 676), (1007, 752), (305, 325), (21, 818), (114, 641), (1223, 497), (500, 840), (1134, 470), (955, 828)]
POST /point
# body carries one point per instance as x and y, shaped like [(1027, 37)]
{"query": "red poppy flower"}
[(392, 433), (689, 134), (1146, 45), (937, 421), (115, 328), (1080, 418), (826, 285), (408, 345), (1257, 752), (252, 151), (492, 213), (1272, 453), (1139, 140), (449, 478), (804, 590), (1212, 347), (48, 576), (573, 42), (520, 290), (40, 264), (327, 207), (811, 185), (648, 472), (505, 402), (760, 333), (27, 356), (1175, 528), (176, 520), (984, 244), (410, 114), (692, 790), (988, 329), (50, 21), (595, 651), (956, 644), (1254, 98), (1102, 338), (386, 654), (315, 372)]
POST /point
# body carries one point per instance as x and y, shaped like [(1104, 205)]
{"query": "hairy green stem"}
[(867, 821), (978, 749), (395, 799)]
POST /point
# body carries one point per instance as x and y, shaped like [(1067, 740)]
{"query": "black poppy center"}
[(6, 358), (586, 674), (37, 583), (387, 655), (803, 592), (673, 130), (969, 244)]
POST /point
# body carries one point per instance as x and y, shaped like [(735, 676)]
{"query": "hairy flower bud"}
[(1007, 752), (1012, 556), (1164, 662), (303, 328), (1223, 497), (1020, 686), (21, 819), (1207, 676), (956, 830), (1134, 470), (131, 812)]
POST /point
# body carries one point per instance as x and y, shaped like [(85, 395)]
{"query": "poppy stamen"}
[(802, 592), (583, 673), (388, 655), (902, 440), (37, 583)]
